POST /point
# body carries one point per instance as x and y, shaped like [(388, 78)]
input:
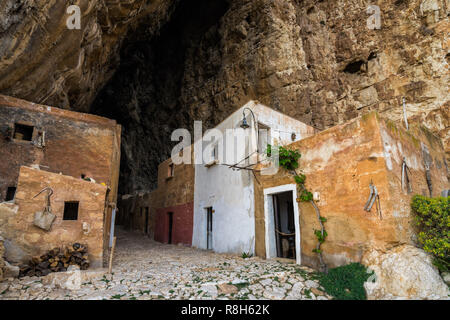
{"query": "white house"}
[(224, 213)]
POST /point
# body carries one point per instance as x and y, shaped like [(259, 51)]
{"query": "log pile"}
[(57, 260)]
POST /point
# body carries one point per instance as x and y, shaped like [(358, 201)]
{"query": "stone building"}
[(340, 164), (206, 204), (224, 213), (45, 147), (261, 213), (165, 214)]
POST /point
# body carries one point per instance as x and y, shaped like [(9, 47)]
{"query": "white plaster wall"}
[(231, 192)]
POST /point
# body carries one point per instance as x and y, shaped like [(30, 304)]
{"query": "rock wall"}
[(405, 272), (45, 62), (2, 260), (183, 60)]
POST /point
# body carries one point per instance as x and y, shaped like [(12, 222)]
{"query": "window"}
[(170, 170), (170, 222), (10, 194), (23, 132), (263, 137), (71, 210), (215, 152), (214, 158)]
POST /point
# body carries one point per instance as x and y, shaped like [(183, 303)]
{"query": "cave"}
[(354, 67), (145, 93)]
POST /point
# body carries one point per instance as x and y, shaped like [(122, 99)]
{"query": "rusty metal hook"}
[(50, 193)]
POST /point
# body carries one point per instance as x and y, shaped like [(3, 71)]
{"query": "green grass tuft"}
[(345, 282)]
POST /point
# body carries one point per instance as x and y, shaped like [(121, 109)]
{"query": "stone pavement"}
[(144, 269)]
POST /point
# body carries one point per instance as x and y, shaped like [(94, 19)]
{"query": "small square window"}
[(10, 194), (23, 132), (263, 138), (71, 210)]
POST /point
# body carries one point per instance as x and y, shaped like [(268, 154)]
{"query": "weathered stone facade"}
[(61, 142), (339, 164), (87, 229), (147, 212)]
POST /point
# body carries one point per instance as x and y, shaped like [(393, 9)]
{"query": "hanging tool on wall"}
[(428, 177), (405, 117), (374, 197), (428, 162), (405, 178), (44, 219)]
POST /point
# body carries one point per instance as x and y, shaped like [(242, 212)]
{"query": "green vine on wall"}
[(289, 160)]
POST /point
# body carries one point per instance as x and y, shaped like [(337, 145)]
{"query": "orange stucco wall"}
[(339, 164)]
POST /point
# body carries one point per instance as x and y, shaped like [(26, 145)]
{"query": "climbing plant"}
[(289, 160)]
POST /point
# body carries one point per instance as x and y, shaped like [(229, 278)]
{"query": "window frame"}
[(23, 124), (77, 212), (170, 171)]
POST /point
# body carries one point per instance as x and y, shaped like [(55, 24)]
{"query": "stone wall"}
[(174, 194), (26, 240), (182, 224), (132, 211), (76, 145), (63, 67), (165, 63), (315, 61), (339, 164)]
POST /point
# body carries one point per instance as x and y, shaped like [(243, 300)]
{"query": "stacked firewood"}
[(57, 260)]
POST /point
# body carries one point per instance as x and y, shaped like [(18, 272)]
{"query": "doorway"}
[(209, 228), (284, 227), (282, 223), (170, 214), (146, 220)]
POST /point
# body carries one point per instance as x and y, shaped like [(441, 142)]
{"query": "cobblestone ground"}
[(144, 269)]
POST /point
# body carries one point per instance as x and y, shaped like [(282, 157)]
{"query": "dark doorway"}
[(209, 227), (146, 221), (169, 241), (284, 225)]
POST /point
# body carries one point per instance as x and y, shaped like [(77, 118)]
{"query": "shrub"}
[(345, 282), (432, 216)]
